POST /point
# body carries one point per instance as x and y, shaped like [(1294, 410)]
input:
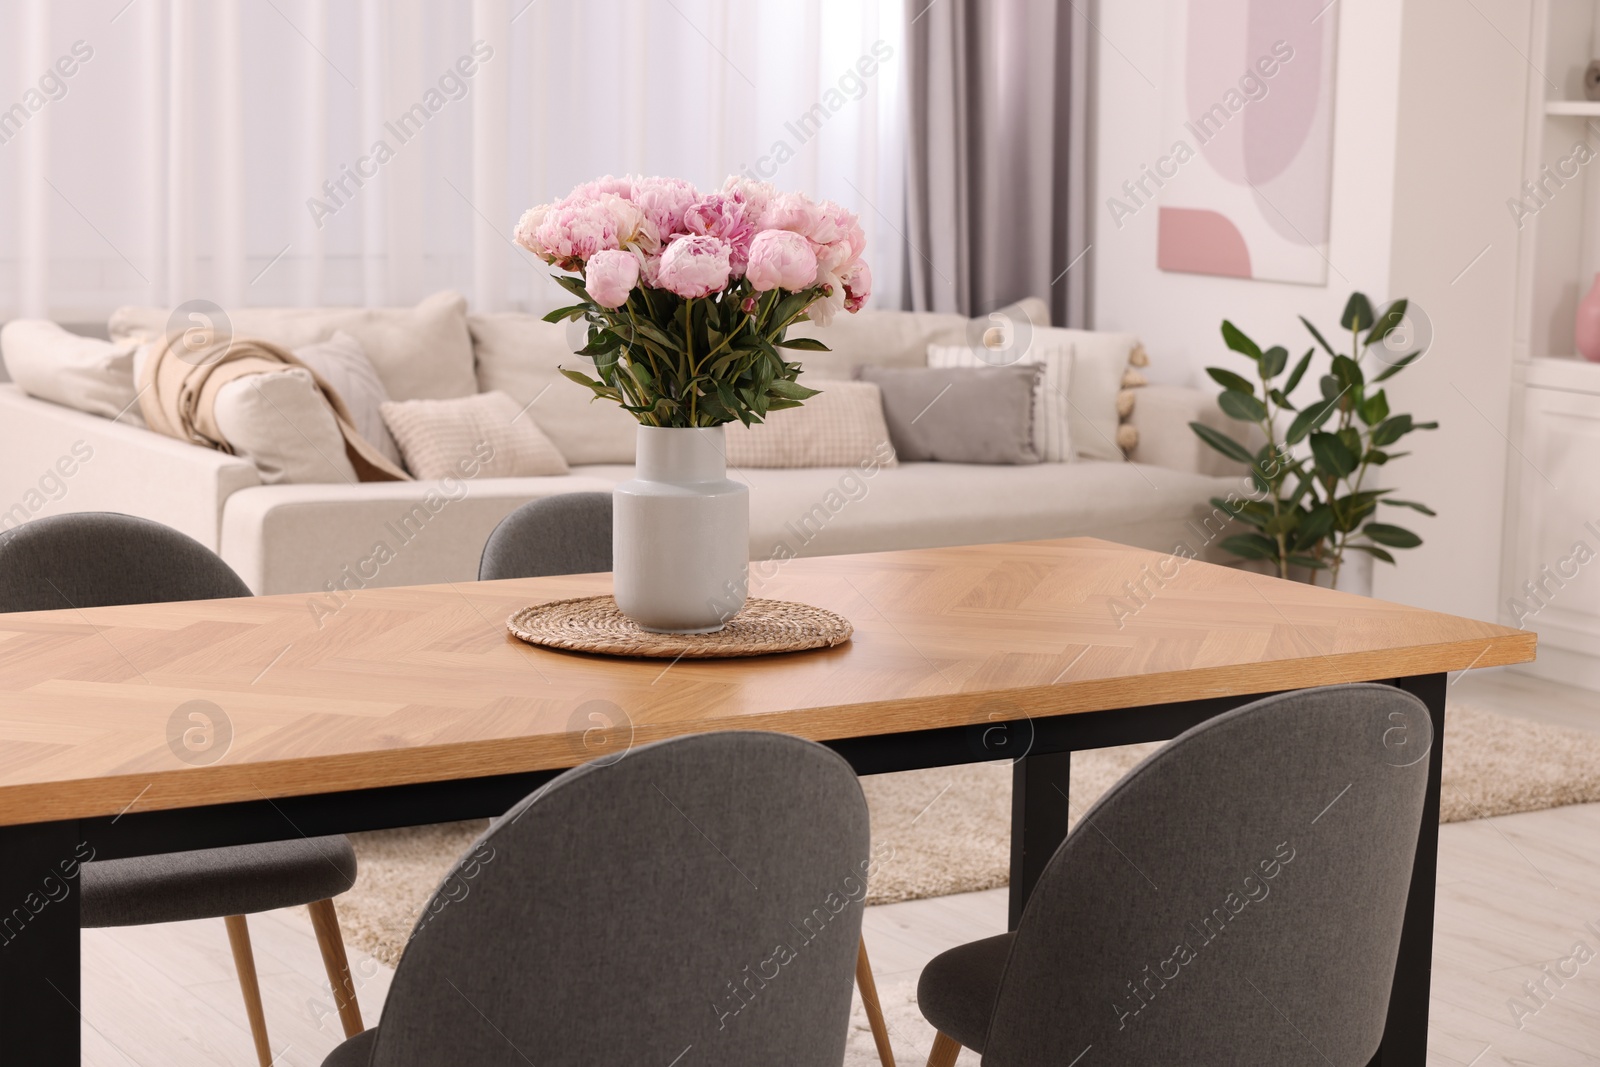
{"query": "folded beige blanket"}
[(178, 388)]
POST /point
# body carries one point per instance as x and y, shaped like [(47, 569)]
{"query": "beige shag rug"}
[(950, 826)]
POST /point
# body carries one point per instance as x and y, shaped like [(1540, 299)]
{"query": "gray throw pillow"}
[(959, 414)]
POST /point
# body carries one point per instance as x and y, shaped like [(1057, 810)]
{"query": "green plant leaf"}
[(1222, 442), (1348, 373), (1387, 323), (1375, 408), (570, 312), (1229, 380), (574, 286), (1357, 313), (1250, 546), (1310, 419), (1391, 430), (1413, 505), (1308, 562), (1374, 551), (1332, 456), (803, 344), (792, 390), (1282, 401), (1236, 340), (1273, 360), (1249, 511), (1299, 369), (1326, 347), (1398, 365), (1241, 406), (1314, 527), (1393, 536)]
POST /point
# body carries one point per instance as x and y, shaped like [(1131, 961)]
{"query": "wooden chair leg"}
[(244, 960), (325, 921), (945, 1051), (869, 1000)]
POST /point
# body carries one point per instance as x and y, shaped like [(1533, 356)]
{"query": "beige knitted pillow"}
[(444, 438), (842, 426)]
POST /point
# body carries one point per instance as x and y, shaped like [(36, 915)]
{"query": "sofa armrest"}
[(58, 460), (1163, 413), (329, 540)]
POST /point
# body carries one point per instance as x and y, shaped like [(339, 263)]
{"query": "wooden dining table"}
[(165, 727)]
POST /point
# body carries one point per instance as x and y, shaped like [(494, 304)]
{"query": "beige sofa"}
[(322, 537)]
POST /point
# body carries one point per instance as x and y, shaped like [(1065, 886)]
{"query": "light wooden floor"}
[(1515, 894)]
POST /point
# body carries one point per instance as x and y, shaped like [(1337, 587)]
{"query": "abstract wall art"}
[(1245, 184)]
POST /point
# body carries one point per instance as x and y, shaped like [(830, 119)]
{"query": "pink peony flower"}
[(857, 286), (663, 201), (695, 266), (752, 197), (792, 211), (622, 187), (716, 215), (781, 259), (610, 276), (526, 233)]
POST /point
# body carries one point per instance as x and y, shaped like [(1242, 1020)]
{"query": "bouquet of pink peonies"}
[(688, 296)]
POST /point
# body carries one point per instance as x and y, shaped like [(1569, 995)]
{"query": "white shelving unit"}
[(1553, 488)]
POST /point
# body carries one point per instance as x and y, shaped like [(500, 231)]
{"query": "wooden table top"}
[(392, 686)]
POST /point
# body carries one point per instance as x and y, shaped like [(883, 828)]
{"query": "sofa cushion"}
[(1052, 407), (521, 355), (840, 426), (83, 373), (421, 352), (960, 414), (343, 364), (440, 438), (280, 422), (1099, 361)]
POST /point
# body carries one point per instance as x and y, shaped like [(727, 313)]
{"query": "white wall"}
[(1427, 145), (1178, 315)]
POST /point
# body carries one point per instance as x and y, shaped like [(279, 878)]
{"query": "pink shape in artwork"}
[(1195, 241)]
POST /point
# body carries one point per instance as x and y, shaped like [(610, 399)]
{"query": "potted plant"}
[(688, 298), (1311, 503)]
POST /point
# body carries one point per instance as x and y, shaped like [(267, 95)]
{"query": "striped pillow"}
[(1051, 438)]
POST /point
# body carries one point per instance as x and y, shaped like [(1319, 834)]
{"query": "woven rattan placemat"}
[(595, 624)]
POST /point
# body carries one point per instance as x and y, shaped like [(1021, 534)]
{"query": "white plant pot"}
[(680, 538)]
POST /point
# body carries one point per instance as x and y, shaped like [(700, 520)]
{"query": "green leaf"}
[(1314, 527), (574, 286), (1299, 369), (581, 378), (1413, 505), (1398, 365), (1282, 401), (1308, 562), (1332, 456), (804, 344), (1249, 511), (1347, 372), (1391, 430), (1373, 550), (1375, 408), (571, 312), (1273, 360), (1250, 546), (1326, 347), (1222, 442), (1241, 406), (1357, 313), (1310, 419), (1387, 323), (1229, 380), (791, 390), (1393, 536), (1236, 340)]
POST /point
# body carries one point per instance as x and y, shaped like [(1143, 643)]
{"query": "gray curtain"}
[(997, 194)]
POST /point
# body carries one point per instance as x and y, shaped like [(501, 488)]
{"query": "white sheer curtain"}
[(259, 152)]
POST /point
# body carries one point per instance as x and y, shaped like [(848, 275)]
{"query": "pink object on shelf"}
[(1586, 330)]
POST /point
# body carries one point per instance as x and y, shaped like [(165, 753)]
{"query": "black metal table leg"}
[(39, 1020), (1040, 785), (1405, 1035)]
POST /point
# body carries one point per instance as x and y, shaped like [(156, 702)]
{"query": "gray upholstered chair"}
[(566, 534), (697, 901), (98, 559), (1237, 898), (571, 534)]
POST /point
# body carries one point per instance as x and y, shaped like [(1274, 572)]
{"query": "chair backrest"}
[(704, 892), (1237, 898), (566, 534), (101, 558)]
